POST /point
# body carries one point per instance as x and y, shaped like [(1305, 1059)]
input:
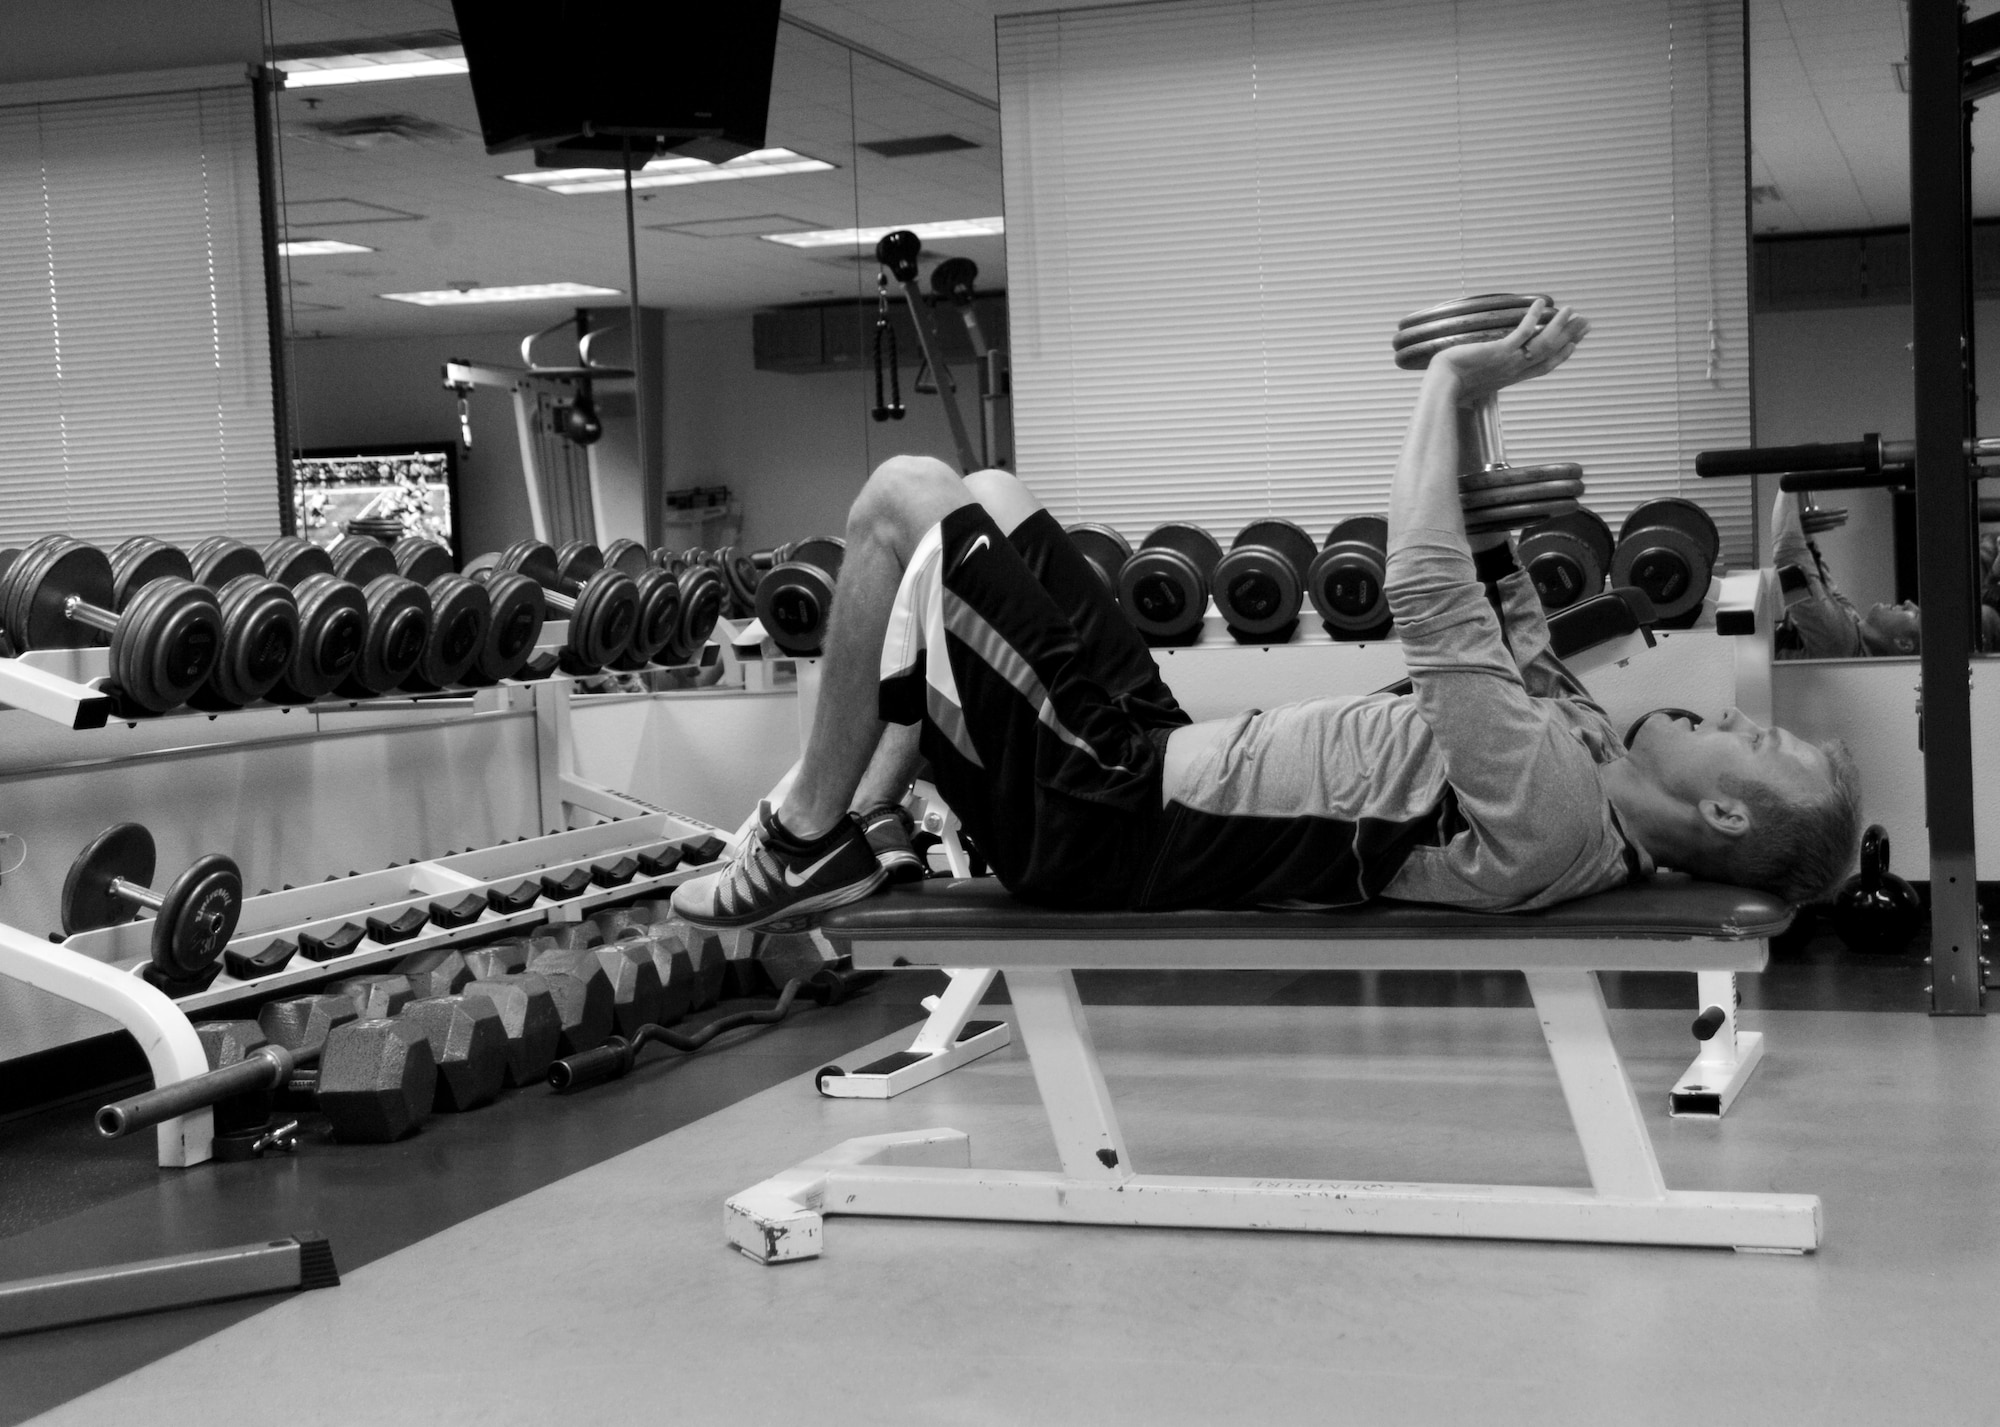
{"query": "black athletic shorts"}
[(1046, 733)]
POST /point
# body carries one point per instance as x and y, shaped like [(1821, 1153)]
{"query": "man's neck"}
[(1652, 820)]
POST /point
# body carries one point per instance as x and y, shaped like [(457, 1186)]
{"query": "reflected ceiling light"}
[(319, 248), (666, 173), (527, 292), (867, 237), (318, 70)]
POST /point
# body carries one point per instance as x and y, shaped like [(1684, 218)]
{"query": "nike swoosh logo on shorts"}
[(973, 549), (799, 879)]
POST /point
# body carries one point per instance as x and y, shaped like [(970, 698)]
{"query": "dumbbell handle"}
[(558, 601), (81, 611), (134, 893), (261, 1069), (1486, 439)]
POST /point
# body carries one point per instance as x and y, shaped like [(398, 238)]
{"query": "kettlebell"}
[(1875, 910)]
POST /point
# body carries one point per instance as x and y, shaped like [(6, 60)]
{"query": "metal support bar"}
[(933, 345)]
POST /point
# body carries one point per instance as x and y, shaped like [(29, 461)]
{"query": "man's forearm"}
[(1424, 492)]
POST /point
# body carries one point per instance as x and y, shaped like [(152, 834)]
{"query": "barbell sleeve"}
[(263, 1068)]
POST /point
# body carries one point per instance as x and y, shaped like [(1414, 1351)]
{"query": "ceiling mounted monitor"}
[(576, 84)]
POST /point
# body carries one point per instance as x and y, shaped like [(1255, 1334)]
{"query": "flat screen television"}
[(415, 485)]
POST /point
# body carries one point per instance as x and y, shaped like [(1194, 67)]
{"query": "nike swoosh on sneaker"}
[(799, 879), (982, 542)]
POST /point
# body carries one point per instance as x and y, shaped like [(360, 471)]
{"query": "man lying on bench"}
[(1495, 784)]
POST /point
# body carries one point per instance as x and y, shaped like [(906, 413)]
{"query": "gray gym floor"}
[(610, 1292)]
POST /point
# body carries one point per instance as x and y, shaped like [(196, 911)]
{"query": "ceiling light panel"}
[(318, 248), (670, 172), (527, 292), (319, 70), (946, 231)]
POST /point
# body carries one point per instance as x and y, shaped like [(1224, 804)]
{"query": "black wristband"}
[(1495, 563)]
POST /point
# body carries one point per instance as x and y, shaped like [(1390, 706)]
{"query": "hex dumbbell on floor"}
[(108, 884), (1496, 495), (1668, 549), (1261, 583), (1567, 557), (1164, 587), (1345, 579), (795, 597), (58, 594)]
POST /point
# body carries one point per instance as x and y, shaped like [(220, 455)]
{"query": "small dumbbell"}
[(1496, 495), (1345, 579), (659, 596), (1164, 586), (795, 596), (603, 610), (193, 920), (396, 611), (1261, 583), (58, 594), (1567, 557), (1105, 549), (1668, 549)]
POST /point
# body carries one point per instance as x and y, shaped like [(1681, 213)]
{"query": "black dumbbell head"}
[(361, 561), (122, 851), (469, 1043), (519, 612), (1260, 584), (399, 625), (577, 561), (1667, 549), (1566, 557), (1164, 587), (794, 602), (290, 560), (629, 556), (1105, 549), (220, 559), (1345, 578), (584, 996), (333, 626), (197, 917), (421, 559), (439, 971), (167, 644), (528, 1016), (703, 596), (260, 639), (461, 618), (603, 622), (137, 562)]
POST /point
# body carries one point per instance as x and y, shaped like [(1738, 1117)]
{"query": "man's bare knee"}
[(1006, 497), (904, 497)]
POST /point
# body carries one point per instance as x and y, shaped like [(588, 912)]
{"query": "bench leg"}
[(1066, 1072), (1727, 1058), (1616, 1146), (949, 1038)]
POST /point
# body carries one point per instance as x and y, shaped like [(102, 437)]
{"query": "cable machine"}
[(951, 282)]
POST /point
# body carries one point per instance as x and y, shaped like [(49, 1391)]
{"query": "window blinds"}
[(1218, 209), (135, 381)]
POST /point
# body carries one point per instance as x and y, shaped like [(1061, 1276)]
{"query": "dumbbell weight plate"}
[(1521, 494), (167, 644), (627, 555), (1164, 586), (461, 612), (825, 551), (659, 618), (1667, 564), (1566, 558), (361, 561), (421, 559), (333, 625), (739, 574), (1513, 517), (1345, 578), (290, 560), (197, 916), (794, 601), (44, 576), (702, 596), (1260, 583), (123, 850), (219, 559), (577, 561), (1501, 478), (260, 636), (1684, 515), (518, 614), (532, 558), (602, 624), (1105, 549), (399, 623), (1480, 302), (1493, 324), (138, 562)]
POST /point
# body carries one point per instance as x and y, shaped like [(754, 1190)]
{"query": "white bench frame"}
[(928, 1173)]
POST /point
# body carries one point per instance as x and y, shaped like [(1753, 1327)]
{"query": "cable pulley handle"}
[(885, 346)]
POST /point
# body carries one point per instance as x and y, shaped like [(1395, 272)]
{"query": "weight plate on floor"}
[(45, 576), (659, 618), (1345, 578), (601, 625), (290, 560), (1683, 515), (361, 561), (1520, 494), (260, 635), (399, 623), (1513, 517), (1479, 302), (333, 624), (518, 614), (629, 556), (577, 561), (197, 916), (1492, 325), (167, 644), (220, 559), (794, 601), (461, 611), (141, 560), (1105, 549), (123, 850), (421, 559), (1664, 562)]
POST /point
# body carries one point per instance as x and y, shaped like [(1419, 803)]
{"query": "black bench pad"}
[(980, 909)]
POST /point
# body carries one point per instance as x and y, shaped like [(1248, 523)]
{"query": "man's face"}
[(1891, 629), (1725, 752)]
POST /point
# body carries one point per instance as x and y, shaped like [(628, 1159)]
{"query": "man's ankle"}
[(794, 831)]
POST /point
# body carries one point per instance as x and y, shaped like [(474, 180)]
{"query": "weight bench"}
[(1671, 924)]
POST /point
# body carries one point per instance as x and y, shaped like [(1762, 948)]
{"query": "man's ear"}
[(1726, 815)]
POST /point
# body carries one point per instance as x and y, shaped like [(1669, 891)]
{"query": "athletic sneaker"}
[(889, 828), (774, 879)]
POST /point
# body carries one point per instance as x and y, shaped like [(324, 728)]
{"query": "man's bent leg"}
[(878, 802)]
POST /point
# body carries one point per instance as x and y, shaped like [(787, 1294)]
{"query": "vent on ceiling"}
[(376, 131), (921, 144), (752, 226)]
